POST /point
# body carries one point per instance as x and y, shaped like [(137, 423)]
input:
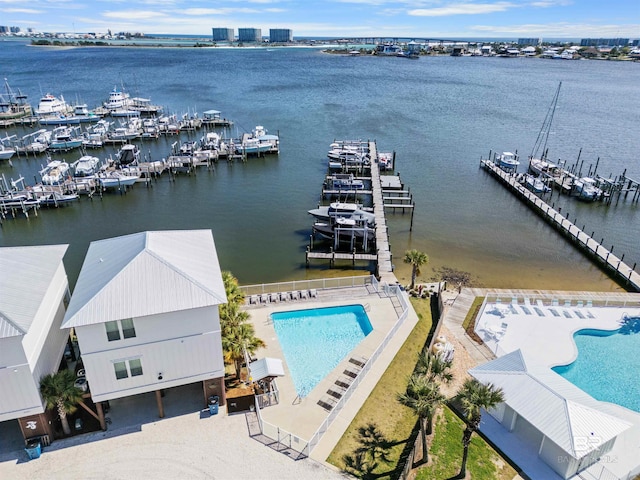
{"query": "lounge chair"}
[(352, 371), (295, 295), (554, 312), (303, 294), (274, 297), (327, 402), (344, 381), (264, 298), (359, 361), (579, 314), (313, 293), (253, 299), (284, 296), (336, 391)]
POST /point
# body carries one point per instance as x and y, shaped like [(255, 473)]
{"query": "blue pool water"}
[(607, 364), (314, 341)]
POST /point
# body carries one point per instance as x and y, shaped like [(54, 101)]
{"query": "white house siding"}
[(153, 328), (180, 361), (554, 456), (528, 433), (53, 349), (48, 317), (19, 393)]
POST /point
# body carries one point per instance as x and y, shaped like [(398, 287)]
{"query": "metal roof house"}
[(33, 293), (552, 416), (145, 312)]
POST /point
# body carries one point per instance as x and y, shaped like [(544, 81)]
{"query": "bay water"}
[(439, 114)]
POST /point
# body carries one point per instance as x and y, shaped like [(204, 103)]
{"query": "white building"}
[(33, 292), (563, 424), (145, 311)]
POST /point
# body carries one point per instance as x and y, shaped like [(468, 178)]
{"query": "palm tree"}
[(59, 391), (373, 444), (237, 338), (473, 397), (416, 259), (235, 296), (423, 396), (434, 367)]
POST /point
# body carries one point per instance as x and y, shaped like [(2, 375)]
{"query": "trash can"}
[(213, 405), (33, 449)]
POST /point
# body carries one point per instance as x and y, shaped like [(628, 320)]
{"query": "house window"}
[(118, 329), (136, 367), (121, 370), (128, 330), (113, 332), (128, 368)]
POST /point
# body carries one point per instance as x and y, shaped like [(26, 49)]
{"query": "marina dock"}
[(386, 191), (605, 258)]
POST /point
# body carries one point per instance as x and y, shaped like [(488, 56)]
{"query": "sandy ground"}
[(193, 446)]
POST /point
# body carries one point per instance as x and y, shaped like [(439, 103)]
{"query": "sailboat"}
[(538, 162)]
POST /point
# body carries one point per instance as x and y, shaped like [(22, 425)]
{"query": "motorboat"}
[(344, 182), (259, 142), (13, 105), (54, 173), (128, 154), (64, 138), (507, 160), (535, 184), (385, 161), (52, 105), (344, 228), (5, 152), (55, 199), (343, 210), (81, 114), (115, 179), (144, 106), (541, 166), (118, 100), (85, 166), (587, 189), (35, 142)]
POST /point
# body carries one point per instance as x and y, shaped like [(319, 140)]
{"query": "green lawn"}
[(381, 408), (396, 422), (446, 454)]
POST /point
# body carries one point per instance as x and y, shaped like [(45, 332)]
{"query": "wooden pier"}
[(612, 264), (386, 192)]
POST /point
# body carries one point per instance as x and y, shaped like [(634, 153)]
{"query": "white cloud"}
[(462, 9), (557, 30), (21, 10), (135, 14)]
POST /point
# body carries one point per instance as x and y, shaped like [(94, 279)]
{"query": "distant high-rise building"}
[(604, 42), (249, 35), (534, 42), (280, 35), (4, 29), (222, 34)]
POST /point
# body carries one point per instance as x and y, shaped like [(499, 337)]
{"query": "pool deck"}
[(543, 324), (303, 416)]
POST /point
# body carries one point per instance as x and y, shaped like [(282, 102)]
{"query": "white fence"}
[(318, 284), (289, 440)]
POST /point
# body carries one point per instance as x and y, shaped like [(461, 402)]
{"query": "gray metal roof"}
[(145, 274), (266, 367), (26, 274), (561, 411)]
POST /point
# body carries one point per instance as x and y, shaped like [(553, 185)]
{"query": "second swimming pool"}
[(315, 341)]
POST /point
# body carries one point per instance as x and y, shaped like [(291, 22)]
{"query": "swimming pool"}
[(315, 341), (607, 364)]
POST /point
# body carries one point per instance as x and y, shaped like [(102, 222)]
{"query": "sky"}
[(438, 19)]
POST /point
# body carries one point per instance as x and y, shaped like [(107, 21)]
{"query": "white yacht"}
[(52, 105), (54, 172), (344, 210)]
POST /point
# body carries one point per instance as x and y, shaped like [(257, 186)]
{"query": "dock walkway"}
[(614, 265)]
